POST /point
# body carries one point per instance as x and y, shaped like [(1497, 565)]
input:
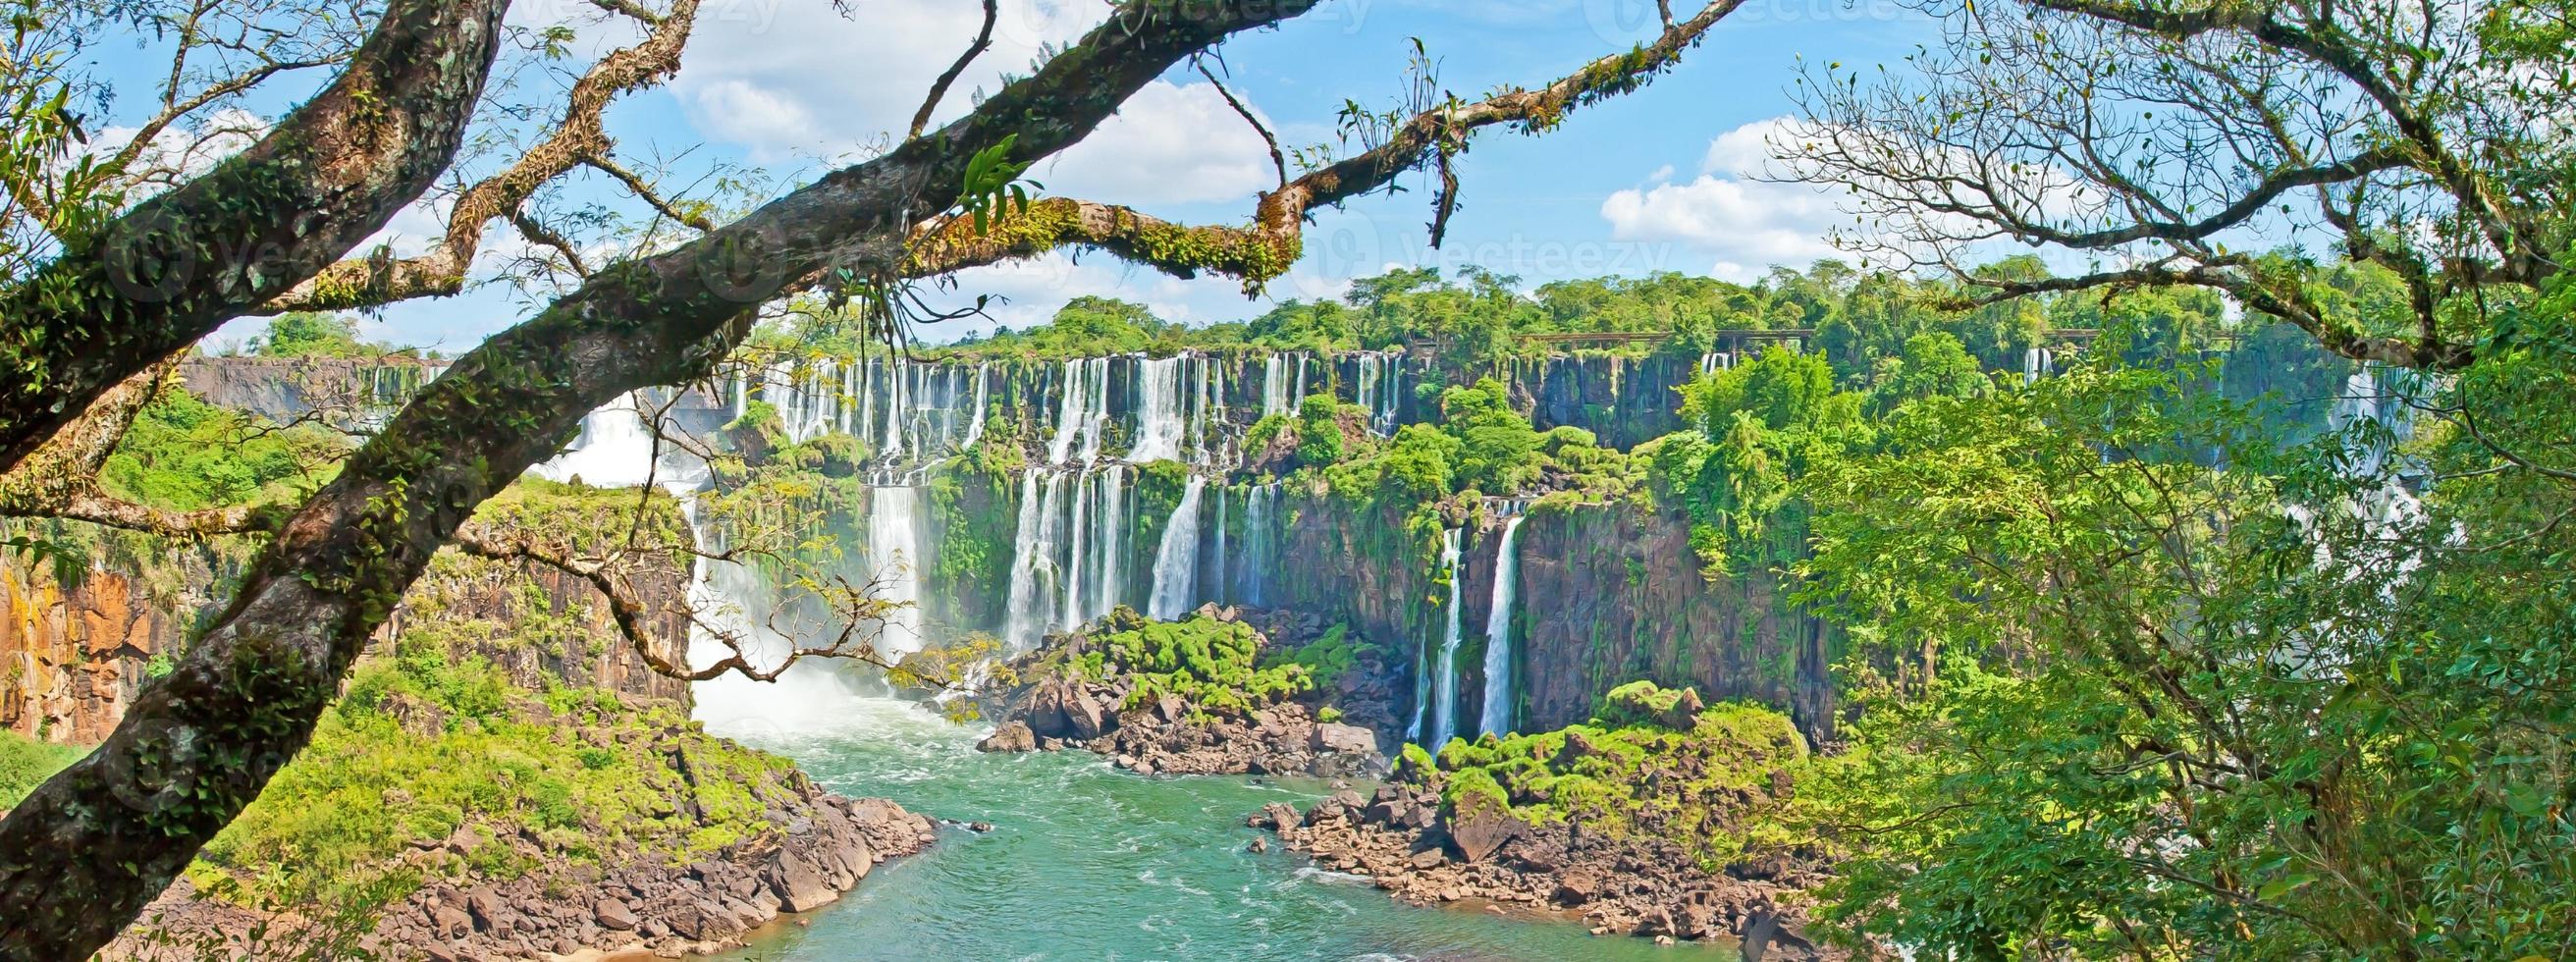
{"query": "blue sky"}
[(1653, 181)]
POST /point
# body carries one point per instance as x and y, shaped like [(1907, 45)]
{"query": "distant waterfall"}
[(1220, 588), (1260, 542), (1176, 560), (1158, 411), (894, 565), (614, 449), (1082, 409), (1380, 390), (2036, 363), (1498, 632), (1274, 385), (912, 412), (1444, 706)]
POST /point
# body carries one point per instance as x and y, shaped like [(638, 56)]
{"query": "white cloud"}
[(189, 149), (1729, 213), (802, 80), (1166, 145)]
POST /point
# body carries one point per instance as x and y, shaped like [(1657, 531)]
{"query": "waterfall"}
[(1176, 560), (614, 449), (1260, 547), (729, 599), (1498, 633), (894, 560), (805, 400), (1299, 402), (1274, 385), (1218, 583), (1112, 519), (975, 417), (1158, 411), (2036, 363), (1021, 624), (1381, 390), (1084, 405), (1445, 703)]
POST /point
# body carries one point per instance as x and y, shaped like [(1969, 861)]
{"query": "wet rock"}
[(1014, 736)]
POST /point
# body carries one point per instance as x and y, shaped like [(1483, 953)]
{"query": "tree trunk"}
[(85, 853), (177, 266)]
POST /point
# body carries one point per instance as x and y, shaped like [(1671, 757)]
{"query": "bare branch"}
[(579, 137), (939, 88)]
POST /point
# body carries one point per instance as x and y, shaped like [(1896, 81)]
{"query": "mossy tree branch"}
[(178, 265), (199, 743), (1272, 242), (579, 138)]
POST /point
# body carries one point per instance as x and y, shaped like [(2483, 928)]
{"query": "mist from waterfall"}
[(615, 450), (1176, 560), (1444, 701), (1498, 632)]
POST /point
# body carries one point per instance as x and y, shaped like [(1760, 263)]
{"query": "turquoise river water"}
[(1086, 862)]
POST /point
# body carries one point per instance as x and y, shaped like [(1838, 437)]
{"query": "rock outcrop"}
[(646, 905), (1147, 724), (1400, 840)]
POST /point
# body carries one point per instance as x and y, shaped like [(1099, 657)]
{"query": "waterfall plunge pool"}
[(1086, 862)]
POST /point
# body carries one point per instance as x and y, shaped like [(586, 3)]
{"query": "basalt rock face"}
[(73, 655), (1623, 401), (586, 650), (1611, 594), (1608, 594)]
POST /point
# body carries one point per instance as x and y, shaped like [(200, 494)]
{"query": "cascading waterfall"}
[(1498, 632), (1274, 385), (1158, 411), (615, 449), (1260, 545), (2036, 363), (1020, 625), (1221, 586), (1176, 560), (1381, 390), (1444, 682), (1082, 408), (894, 565)]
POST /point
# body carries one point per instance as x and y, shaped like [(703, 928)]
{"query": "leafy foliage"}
[(25, 763)]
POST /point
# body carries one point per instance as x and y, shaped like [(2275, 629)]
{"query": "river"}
[(1086, 862)]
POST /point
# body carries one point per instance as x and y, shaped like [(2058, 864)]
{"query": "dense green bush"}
[(25, 763)]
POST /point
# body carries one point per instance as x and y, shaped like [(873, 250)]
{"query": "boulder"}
[(1480, 826), (613, 915), (1014, 736), (800, 886), (1343, 739)]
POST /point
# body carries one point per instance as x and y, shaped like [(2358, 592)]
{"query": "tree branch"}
[(200, 742), (1274, 240), (580, 137), (939, 88), (176, 266)]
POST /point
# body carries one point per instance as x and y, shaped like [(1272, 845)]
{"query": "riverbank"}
[(1641, 822)]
